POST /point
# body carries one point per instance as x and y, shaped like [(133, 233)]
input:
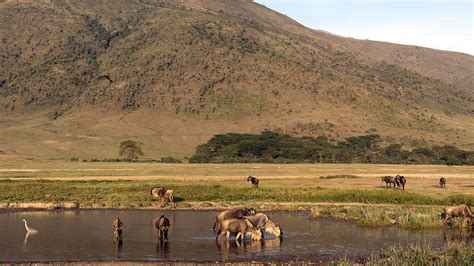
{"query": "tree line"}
[(272, 147)]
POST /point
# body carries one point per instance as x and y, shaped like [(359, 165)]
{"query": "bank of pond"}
[(87, 235)]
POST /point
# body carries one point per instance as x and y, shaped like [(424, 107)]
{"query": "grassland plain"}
[(344, 191)]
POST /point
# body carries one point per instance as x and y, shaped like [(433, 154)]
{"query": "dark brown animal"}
[(240, 227), (163, 225), (232, 214), (389, 181), (458, 211), (400, 181), (253, 180), (166, 195), (117, 226), (442, 182)]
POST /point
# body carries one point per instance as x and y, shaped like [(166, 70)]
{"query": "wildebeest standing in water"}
[(442, 182), (388, 181), (253, 180), (117, 226), (400, 181), (166, 195), (162, 225), (240, 227), (232, 214)]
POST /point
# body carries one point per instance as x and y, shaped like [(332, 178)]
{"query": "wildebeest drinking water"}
[(262, 222), (442, 182), (458, 211), (232, 214), (166, 195), (240, 227), (117, 226), (162, 225), (253, 180)]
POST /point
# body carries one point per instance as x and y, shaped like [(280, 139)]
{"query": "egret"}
[(29, 229)]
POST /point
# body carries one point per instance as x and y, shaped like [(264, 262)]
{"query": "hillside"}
[(77, 77)]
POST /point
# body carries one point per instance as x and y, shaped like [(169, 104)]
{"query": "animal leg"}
[(238, 235), (219, 234), (227, 235)]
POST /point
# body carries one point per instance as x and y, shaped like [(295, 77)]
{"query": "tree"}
[(130, 149)]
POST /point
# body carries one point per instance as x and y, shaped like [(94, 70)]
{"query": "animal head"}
[(248, 178), (274, 229), (251, 211), (255, 234)]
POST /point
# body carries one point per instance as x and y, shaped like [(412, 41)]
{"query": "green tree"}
[(130, 149)]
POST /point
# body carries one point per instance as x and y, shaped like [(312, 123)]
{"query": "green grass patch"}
[(137, 193), (419, 254)]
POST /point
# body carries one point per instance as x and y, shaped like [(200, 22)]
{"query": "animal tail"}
[(151, 191), (216, 226)]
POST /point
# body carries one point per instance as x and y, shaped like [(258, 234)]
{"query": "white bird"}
[(29, 229)]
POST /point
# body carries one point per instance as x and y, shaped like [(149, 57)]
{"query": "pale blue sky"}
[(439, 24)]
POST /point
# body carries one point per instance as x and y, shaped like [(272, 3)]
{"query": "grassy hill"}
[(77, 77)]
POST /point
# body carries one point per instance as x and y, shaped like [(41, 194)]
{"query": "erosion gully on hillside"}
[(87, 236)]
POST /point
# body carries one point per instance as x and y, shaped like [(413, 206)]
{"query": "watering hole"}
[(87, 236)]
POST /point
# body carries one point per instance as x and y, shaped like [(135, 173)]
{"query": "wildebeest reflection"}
[(248, 248), (455, 237), (163, 249)]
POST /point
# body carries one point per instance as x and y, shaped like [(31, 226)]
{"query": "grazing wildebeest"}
[(117, 226), (162, 225), (442, 182), (232, 214), (389, 180), (400, 181), (166, 195), (253, 180), (458, 211), (262, 221), (240, 227)]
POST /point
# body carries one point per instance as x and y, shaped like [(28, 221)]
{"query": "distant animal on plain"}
[(400, 181), (232, 214), (166, 195), (458, 211), (240, 227), (253, 180), (163, 225), (29, 229), (442, 182), (117, 226), (389, 181)]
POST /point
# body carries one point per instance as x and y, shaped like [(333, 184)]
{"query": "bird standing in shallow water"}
[(29, 229)]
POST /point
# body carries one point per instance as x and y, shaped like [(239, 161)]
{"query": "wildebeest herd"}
[(242, 223), (400, 181), (247, 223)]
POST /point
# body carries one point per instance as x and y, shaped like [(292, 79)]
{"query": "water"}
[(87, 235)]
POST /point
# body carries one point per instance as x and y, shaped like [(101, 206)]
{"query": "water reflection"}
[(163, 249), (231, 248), (27, 235), (458, 237)]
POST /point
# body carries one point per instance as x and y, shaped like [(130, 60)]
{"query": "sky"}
[(439, 24)]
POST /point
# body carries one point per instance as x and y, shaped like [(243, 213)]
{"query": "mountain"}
[(77, 77)]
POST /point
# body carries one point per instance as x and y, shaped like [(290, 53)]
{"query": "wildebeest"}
[(262, 221), (458, 211), (232, 214), (400, 181), (240, 227), (166, 195), (442, 182), (117, 226), (162, 225), (253, 180), (389, 180)]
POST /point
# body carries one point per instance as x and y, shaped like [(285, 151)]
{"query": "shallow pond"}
[(87, 235)]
